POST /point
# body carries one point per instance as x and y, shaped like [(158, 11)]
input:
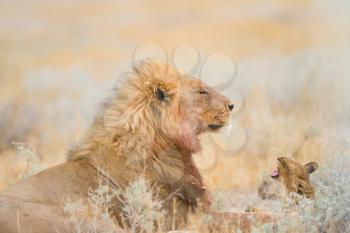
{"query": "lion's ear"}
[(311, 167), (159, 93), (163, 90)]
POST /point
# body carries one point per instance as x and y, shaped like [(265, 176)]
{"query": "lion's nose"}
[(230, 106)]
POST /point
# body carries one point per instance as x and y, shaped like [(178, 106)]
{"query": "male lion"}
[(150, 127), (295, 176)]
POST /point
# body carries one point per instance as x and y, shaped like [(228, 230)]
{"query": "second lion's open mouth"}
[(275, 174), (214, 127)]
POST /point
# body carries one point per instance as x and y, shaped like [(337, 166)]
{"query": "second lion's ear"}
[(311, 167), (159, 93)]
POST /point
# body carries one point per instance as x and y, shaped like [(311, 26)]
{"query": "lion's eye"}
[(203, 92)]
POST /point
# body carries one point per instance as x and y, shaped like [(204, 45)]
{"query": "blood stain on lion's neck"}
[(186, 141), (188, 138)]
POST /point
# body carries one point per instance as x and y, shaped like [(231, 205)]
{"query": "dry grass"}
[(59, 59)]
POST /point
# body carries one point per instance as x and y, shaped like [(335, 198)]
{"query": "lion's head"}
[(295, 176), (159, 102)]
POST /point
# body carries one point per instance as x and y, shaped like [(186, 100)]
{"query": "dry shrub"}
[(141, 209)]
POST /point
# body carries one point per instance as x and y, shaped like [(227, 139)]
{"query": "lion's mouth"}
[(275, 174), (214, 126)]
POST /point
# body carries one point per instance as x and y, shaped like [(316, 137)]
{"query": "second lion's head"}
[(157, 101), (295, 176)]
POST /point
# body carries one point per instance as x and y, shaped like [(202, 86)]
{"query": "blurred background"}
[(59, 59)]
